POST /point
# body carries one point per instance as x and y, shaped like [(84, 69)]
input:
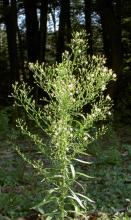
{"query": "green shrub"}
[(67, 131)]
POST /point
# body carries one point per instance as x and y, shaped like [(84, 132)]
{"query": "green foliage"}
[(106, 148), (111, 169), (121, 217), (110, 156), (65, 130), (128, 148), (4, 121)]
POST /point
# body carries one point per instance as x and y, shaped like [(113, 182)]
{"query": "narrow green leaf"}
[(84, 175), (45, 201), (52, 190), (72, 171), (58, 176), (82, 161), (76, 207), (81, 115), (76, 198), (85, 197), (83, 153), (49, 218), (79, 184)]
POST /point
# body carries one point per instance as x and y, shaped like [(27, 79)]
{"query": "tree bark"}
[(32, 37), (64, 33), (111, 26), (43, 29), (10, 17), (111, 34), (32, 33), (88, 26), (21, 56)]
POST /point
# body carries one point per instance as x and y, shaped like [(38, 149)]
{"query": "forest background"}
[(40, 31)]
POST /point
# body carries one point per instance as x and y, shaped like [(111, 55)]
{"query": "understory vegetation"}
[(21, 189)]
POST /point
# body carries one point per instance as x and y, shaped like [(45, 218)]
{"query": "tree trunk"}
[(111, 39), (111, 34), (32, 33), (21, 56), (64, 33), (118, 9), (10, 17), (88, 25), (43, 29)]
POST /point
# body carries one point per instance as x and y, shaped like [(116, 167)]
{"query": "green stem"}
[(62, 203)]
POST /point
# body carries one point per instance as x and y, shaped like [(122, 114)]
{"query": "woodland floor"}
[(21, 188)]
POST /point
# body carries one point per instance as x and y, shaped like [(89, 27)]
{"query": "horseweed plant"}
[(75, 82)]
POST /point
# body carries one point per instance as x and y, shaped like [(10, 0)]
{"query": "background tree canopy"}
[(37, 30)]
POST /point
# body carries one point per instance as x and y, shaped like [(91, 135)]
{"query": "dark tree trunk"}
[(111, 34), (21, 56), (88, 25), (32, 33), (43, 29), (64, 33), (10, 17), (118, 13), (111, 39)]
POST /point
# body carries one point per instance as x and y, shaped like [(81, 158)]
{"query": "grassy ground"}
[(110, 188)]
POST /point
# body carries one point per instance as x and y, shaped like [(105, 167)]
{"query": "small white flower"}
[(97, 109), (71, 135), (109, 113), (105, 69), (93, 57), (85, 138), (114, 75), (73, 100), (71, 86), (108, 97), (104, 61), (103, 87), (110, 72)]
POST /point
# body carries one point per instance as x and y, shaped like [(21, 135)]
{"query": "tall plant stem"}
[(63, 185)]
